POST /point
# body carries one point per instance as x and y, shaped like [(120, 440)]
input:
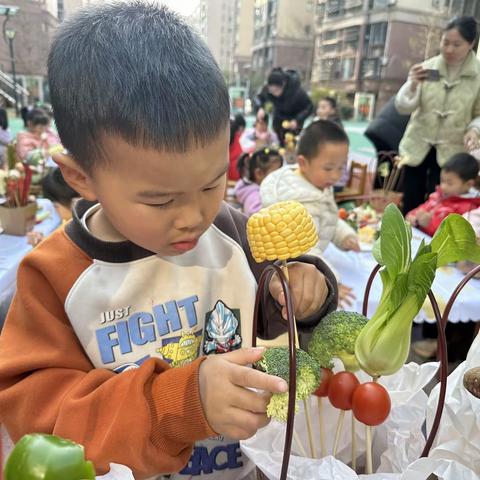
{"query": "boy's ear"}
[(75, 176), (302, 162)]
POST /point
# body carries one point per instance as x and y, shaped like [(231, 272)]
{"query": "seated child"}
[(253, 168), (327, 110), (60, 194), (259, 136), (455, 194), (38, 136), (322, 153), (237, 126), (127, 327)]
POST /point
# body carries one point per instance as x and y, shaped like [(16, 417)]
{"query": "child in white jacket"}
[(322, 154)]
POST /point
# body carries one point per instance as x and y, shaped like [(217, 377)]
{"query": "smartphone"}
[(432, 75)]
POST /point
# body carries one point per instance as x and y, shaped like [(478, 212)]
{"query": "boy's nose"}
[(190, 218)]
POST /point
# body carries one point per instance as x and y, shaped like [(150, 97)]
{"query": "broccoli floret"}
[(334, 337), (275, 361)]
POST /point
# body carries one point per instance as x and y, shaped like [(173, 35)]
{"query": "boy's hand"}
[(230, 407), (424, 218), (307, 286), (351, 243)]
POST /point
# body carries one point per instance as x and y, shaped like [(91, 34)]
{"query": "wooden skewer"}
[(354, 445), (368, 439), (285, 271), (308, 421), (305, 402), (341, 419), (322, 432), (300, 444)]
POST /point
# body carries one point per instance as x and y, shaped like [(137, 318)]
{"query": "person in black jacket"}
[(290, 101)]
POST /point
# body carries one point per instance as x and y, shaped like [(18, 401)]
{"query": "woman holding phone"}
[(443, 96)]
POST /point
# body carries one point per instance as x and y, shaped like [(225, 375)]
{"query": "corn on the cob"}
[(283, 230)]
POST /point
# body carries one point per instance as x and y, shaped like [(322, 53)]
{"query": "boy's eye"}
[(160, 205), (210, 188)]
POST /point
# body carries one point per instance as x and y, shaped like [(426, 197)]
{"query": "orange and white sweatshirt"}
[(103, 343)]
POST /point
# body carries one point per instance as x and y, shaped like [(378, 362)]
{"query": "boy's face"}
[(161, 201), (325, 109), (452, 184), (326, 168)]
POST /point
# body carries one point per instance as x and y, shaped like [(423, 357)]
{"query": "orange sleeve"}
[(147, 419)]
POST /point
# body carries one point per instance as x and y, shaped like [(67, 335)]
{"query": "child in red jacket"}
[(455, 194)]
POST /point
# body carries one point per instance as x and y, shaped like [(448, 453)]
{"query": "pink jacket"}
[(27, 141)]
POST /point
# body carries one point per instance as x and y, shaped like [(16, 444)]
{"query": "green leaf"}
[(377, 251), (399, 292), (421, 276), (423, 249), (454, 241), (395, 235)]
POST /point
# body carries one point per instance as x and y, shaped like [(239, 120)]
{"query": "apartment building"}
[(283, 37), (242, 41), (369, 45), (215, 21)]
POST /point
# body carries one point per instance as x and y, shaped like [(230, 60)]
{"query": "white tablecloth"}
[(355, 268), (14, 248)]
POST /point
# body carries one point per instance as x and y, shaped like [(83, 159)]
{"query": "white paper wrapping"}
[(458, 439), (397, 443)]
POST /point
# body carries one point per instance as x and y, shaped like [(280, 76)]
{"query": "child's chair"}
[(357, 183)]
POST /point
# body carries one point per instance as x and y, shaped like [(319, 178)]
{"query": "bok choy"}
[(383, 345)]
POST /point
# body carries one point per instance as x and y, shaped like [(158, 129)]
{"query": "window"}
[(377, 33), (347, 68)]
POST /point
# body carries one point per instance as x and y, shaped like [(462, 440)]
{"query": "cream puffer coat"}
[(442, 112), (287, 183)]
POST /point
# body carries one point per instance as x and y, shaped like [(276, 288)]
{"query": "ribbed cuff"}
[(177, 413)]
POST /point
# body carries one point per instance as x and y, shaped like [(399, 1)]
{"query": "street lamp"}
[(9, 35)]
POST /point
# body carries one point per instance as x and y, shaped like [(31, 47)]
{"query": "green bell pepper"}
[(47, 457)]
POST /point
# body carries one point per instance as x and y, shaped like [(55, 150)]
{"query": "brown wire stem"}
[(442, 346), (292, 384)]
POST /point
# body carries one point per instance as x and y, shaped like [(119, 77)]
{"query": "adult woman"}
[(291, 104), (443, 96)]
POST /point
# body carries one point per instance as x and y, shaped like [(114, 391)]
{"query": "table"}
[(354, 269), (14, 248)]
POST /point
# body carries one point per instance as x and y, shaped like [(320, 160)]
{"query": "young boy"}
[(103, 342), (327, 110), (322, 153), (455, 194)]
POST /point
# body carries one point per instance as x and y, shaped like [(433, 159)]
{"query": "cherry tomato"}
[(322, 390), (371, 403), (341, 388), (342, 213)]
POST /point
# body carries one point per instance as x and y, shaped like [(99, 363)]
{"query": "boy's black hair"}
[(331, 101), (37, 116), (135, 70), (248, 162), (57, 190), (318, 134), (464, 165)]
